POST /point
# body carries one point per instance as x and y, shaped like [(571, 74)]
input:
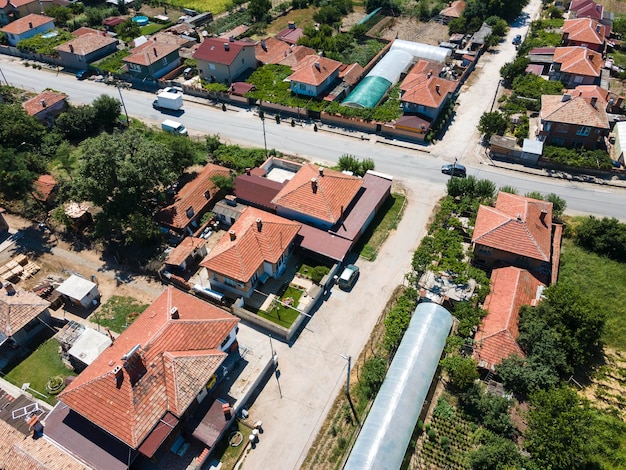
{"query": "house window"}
[(190, 212), (420, 109), (211, 66), (164, 60), (557, 141), (302, 86), (254, 278), (562, 128), (242, 61), (548, 126), (229, 282), (579, 79), (583, 131)]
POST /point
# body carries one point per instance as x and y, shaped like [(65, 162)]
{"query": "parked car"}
[(171, 89), (454, 169), (82, 74), (517, 40), (348, 277)]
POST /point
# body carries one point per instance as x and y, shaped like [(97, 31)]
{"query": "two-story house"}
[(614, 102), (576, 65), (152, 60), (313, 75), (425, 93), (586, 9), (11, 10), (223, 61), (79, 52), (585, 32), (27, 27), (572, 121)]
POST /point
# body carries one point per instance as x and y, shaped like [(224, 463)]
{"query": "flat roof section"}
[(324, 243)]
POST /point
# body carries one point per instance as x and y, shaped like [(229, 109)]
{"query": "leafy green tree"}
[(15, 176), (499, 27), (606, 237), (17, 128), (128, 29), (457, 25), (619, 25), (106, 112), (524, 376), (493, 123), (512, 70), (558, 206), (224, 183), (372, 376), (508, 189), (469, 317), (77, 122), (497, 453), (559, 429), (462, 371), (259, 9)]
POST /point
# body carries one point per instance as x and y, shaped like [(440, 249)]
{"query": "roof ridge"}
[(513, 298), (498, 212)]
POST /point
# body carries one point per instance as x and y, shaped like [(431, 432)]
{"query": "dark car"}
[(517, 40), (348, 277), (82, 74), (454, 169)]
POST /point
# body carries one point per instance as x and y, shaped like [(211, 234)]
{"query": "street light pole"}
[(262, 116), (349, 359)]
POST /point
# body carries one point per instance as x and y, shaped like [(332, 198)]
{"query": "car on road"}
[(517, 40), (348, 277), (454, 169), (82, 74), (171, 89)]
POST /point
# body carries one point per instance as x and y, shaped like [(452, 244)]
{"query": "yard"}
[(201, 6), (39, 367), (229, 454), (118, 312), (285, 313)]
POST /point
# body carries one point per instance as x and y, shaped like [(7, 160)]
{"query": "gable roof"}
[(325, 199), (271, 50), (44, 187), (86, 44), (257, 190), (175, 360), (511, 288), (591, 10), (517, 224), (314, 70), (192, 195), (290, 34), (577, 110), (258, 236), (86, 30), (455, 10), (430, 92), (584, 30), (150, 52), (43, 101), (295, 55), (18, 308), (215, 50), (577, 4), (351, 74), (590, 91), (184, 249), (422, 70), (27, 23), (578, 60)]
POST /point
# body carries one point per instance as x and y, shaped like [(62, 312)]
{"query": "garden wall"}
[(15, 52), (299, 113), (339, 121)]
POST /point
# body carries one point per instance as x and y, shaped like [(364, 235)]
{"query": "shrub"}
[(432, 435)]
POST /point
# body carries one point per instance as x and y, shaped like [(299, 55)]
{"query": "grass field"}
[(302, 18), (118, 313), (201, 6), (615, 6), (43, 363), (281, 315), (605, 281)]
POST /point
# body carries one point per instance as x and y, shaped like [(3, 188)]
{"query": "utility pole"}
[(123, 104), (349, 359), (262, 116)]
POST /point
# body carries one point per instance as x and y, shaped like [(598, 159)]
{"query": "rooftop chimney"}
[(597, 28), (30, 25), (438, 89), (314, 185), (591, 57), (174, 313), (543, 214), (43, 103), (594, 101), (292, 25), (156, 54), (321, 171), (248, 171), (566, 97), (264, 45), (430, 72), (519, 217), (318, 66), (226, 46), (232, 234), (259, 224), (231, 38), (71, 48)]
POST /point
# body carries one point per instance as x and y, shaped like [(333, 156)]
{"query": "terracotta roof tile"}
[(18, 309), (308, 72), (290, 35), (577, 4), (577, 60), (240, 258), (591, 91), (274, 51), (584, 30), (86, 44), (27, 23), (214, 50), (34, 105), (577, 110), (44, 187), (296, 55), (183, 250), (515, 225), (324, 199), (351, 74), (590, 10), (150, 52), (430, 92), (194, 195), (420, 72), (148, 384), (511, 288), (85, 30), (455, 10)]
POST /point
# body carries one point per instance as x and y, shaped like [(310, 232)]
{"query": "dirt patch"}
[(614, 6), (608, 386), (410, 29)]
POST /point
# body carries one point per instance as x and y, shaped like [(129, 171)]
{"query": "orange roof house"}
[(154, 370), (20, 314), (46, 106), (45, 189), (192, 201), (584, 32), (255, 248), (271, 50), (152, 59), (27, 27), (86, 48), (511, 289), (517, 231), (576, 65), (313, 75), (613, 102), (454, 10), (317, 196)]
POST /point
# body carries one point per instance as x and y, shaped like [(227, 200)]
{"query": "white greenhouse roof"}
[(384, 438), (620, 138), (421, 51), (392, 65), (76, 287)]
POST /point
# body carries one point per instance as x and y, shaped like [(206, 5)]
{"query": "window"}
[(211, 66), (562, 128), (189, 212), (229, 282), (578, 79), (583, 131)]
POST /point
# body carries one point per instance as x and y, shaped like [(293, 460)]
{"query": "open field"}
[(201, 6), (616, 6)]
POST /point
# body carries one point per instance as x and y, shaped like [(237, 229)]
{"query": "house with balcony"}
[(573, 121), (84, 49), (576, 65), (223, 60), (151, 60), (313, 75), (27, 27), (585, 32)]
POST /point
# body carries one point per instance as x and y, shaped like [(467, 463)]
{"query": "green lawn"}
[(228, 454), (214, 6), (385, 221), (42, 364), (603, 280), (313, 270), (118, 313), (152, 28), (281, 315)]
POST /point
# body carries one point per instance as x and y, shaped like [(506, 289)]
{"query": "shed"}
[(79, 290), (532, 150), (386, 433), (620, 141), (87, 348)]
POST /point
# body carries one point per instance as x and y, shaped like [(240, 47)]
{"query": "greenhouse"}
[(387, 72), (384, 438)]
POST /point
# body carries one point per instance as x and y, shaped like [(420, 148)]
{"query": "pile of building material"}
[(19, 268)]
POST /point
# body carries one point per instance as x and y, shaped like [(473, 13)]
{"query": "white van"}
[(174, 127)]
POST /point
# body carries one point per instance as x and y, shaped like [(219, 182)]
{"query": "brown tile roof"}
[(290, 35), (516, 225), (18, 309), (34, 105), (86, 44), (590, 91), (44, 187), (576, 4), (214, 50), (170, 38), (176, 358), (240, 88), (295, 55), (420, 72), (85, 30), (194, 195), (257, 190), (236, 32), (584, 30), (351, 74), (576, 110), (591, 10), (511, 288), (325, 199), (27, 23), (150, 52), (578, 60), (183, 250), (271, 50), (241, 257), (454, 10), (308, 72), (431, 92)]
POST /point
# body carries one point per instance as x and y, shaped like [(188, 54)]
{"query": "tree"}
[(559, 428), (605, 237), (60, 14), (508, 189), (259, 9), (128, 29), (17, 128), (496, 453), (511, 70), (15, 176), (223, 182), (372, 376), (77, 122), (462, 371), (492, 123), (106, 112), (558, 206)]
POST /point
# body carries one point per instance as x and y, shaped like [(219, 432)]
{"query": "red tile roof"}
[(271, 50), (179, 254), (176, 358), (455, 9), (241, 88), (431, 92), (324, 199), (577, 4), (150, 52), (214, 50), (578, 60), (511, 288), (192, 195), (516, 225), (584, 30), (86, 44), (241, 257), (422, 70), (34, 105), (577, 110), (351, 74), (44, 187), (85, 30), (257, 190), (290, 35), (591, 10), (27, 23), (590, 91), (314, 70), (295, 55), (18, 309)]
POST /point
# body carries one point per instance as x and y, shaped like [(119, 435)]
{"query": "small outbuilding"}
[(87, 348), (79, 291)]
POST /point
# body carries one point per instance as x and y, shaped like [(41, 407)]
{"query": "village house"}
[(27, 27), (81, 51), (223, 61), (576, 66), (314, 75), (151, 60)]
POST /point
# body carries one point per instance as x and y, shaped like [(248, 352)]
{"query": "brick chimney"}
[(174, 315), (259, 224), (226, 46), (438, 89), (594, 102), (321, 171), (232, 234), (314, 185)]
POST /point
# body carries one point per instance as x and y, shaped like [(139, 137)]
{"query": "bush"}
[(432, 435), (605, 237), (372, 376), (578, 158)]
